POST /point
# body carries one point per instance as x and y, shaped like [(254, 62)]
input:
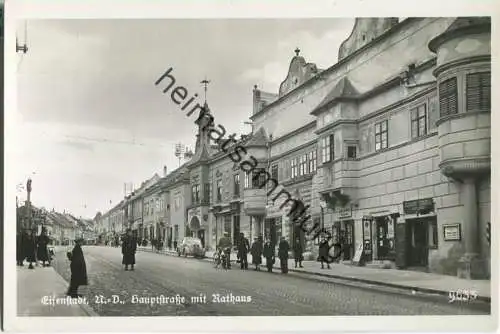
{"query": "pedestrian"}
[(42, 251), (129, 247), (30, 248), (78, 269), (297, 253), (268, 253), (257, 253), (324, 249), (225, 245), (243, 249), (283, 249), (20, 241)]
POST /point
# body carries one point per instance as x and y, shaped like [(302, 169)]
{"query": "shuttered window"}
[(448, 103), (478, 91)]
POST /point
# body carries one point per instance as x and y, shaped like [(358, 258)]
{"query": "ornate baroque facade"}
[(389, 148)]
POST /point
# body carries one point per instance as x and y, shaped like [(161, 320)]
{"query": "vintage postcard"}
[(249, 166)]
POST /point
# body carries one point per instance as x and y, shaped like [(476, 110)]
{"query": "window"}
[(433, 234), (419, 121), (448, 102), (248, 176), (478, 91), (351, 152), (195, 194), (312, 161), (294, 168), (258, 179), (274, 172), (327, 149), (381, 135), (237, 185), (206, 192), (303, 165), (219, 190)]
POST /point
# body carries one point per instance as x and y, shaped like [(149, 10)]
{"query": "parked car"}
[(192, 247)]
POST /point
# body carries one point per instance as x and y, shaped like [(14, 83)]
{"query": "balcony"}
[(255, 202)]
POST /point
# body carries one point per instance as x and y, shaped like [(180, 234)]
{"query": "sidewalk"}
[(403, 279), (36, 285)]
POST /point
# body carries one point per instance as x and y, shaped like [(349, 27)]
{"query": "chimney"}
[(164, 170)]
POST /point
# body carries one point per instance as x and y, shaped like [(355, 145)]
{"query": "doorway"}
[(348, 240), (236, 230), (418, 250), (201, 236), (382, 238)]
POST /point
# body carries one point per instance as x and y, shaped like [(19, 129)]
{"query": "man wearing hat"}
[(129, 247)]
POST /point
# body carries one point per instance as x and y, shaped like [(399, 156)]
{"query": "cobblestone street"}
[(271, 294)]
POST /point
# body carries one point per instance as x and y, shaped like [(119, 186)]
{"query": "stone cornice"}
[(464, 167), (461, 62)]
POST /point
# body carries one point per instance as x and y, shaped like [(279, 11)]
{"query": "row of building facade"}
[(389, 149), (62, 228)]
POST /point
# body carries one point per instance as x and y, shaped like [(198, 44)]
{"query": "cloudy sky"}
[(91, 119)]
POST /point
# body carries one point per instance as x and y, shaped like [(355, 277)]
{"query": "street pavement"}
[(271, 294)]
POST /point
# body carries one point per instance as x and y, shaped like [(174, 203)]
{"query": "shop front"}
[(379, 237), (416, 234)]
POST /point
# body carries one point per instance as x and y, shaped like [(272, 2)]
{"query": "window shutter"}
[(478, 91), (448, 103)]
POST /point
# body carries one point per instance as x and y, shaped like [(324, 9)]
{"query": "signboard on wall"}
[(452, 232), (344, 212), (420, 206)]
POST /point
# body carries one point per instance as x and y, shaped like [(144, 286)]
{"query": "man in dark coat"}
[(30, 248), (78, 269), (20, 241), (283, 249), (42, 251), (129, 247), (324, 249), (297, 253), (257, 253), (243, 249), (268, 253)]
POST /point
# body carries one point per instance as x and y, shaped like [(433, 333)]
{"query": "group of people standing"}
[(32, 248), (260, 249)]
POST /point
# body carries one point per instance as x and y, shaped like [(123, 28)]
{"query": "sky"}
[(90, 118)]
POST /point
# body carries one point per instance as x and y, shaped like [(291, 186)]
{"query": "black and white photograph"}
[(198, 167)]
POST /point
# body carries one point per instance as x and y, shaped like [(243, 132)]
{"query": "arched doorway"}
[(195, 227)]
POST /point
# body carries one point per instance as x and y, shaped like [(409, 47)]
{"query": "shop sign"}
[(452, 232), (420, 206), (344, 212)]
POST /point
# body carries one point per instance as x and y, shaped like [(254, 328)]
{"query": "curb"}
[(385, 284), (86, 308), (352, 279)]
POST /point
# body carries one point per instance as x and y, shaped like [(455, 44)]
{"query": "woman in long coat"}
[(30, 248), (269, 255), (42, 251), (257, 253), (78, 270), (283, 249), (129, 247)]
